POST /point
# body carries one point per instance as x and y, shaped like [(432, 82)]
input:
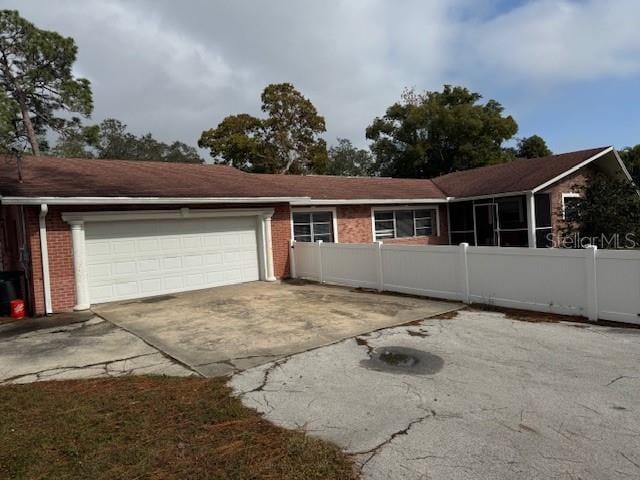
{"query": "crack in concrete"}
[(267, 372), (404, 431), (619, 378), (64, 369)]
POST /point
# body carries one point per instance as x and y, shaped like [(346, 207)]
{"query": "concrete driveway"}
[(222, 330), (76, 346), (476, 396)]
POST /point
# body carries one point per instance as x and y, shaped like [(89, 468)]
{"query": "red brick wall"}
[(280, 238), (354, 224), (571, 183), (61, 249)]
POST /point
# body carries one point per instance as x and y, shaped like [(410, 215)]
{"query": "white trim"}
[(44, 255), (313, 209), (573, 170), (568, 195), (141, 200), (413, 207), (125, 215), (366, 201), (485, 197), (531, 220), (80, 266)]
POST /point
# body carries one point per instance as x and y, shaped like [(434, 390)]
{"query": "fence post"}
[(463, 272), (380, 270), (591, 253), (320, 273), (292, 258)]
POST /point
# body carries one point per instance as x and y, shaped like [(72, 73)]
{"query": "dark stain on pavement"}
[(403, 360)]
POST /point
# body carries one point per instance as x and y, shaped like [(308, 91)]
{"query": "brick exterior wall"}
[(354, 224), (61, 248), (571, 183)]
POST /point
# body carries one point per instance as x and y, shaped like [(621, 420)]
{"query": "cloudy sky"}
[(567, 70)]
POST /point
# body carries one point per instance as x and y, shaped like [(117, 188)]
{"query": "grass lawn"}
[(151, 428)]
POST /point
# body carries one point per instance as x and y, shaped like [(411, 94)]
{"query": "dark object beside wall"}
[(11, 288)]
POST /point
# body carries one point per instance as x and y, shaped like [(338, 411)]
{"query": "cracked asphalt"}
[(502, 398), (90, 348)]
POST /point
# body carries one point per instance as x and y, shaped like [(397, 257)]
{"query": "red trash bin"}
[(17, 309)]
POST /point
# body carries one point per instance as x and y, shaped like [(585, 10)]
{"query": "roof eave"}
[(14, 200)]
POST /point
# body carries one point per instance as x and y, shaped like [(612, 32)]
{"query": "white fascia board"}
[(573, 169), (483, 197), (183, 213), (141, 200), (623, 166), (365, 201)]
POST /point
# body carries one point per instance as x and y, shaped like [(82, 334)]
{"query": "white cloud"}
[(176, 68), (559, 41)]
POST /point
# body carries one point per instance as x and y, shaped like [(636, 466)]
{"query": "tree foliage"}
[(37, 82), (345, 159), (532, 147), (609, 208), (432, 133), (286, 141), (110, 139), (631, 158)]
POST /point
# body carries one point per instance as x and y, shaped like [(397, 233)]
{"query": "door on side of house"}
[(486, 218), (134, 259)]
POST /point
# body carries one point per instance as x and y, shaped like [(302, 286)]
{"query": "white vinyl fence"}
[(592, 283)]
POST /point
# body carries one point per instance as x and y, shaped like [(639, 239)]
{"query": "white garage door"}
[(143, 258)]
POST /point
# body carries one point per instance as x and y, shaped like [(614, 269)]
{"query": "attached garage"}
[(127, 255)]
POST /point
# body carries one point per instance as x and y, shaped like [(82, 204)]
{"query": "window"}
[(404, 223), (313, 226), (461, 219), (570, 204), (512, 221)]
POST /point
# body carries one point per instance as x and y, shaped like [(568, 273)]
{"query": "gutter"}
[(44, 254), (142, 200)]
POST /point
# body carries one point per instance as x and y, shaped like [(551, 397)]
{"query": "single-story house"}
[(91, 231)]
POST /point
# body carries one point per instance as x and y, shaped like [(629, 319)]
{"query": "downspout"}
[(44, 253)]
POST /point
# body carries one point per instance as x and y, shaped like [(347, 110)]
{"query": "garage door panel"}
[(136, 259)]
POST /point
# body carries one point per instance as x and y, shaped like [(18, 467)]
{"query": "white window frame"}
[(568, 195), (332, 210), (411, 207)]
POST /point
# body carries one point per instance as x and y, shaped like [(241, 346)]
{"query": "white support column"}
[(44, 253), (270, 277), (591, 252), (463, 273), (531, 219), (80, 266)]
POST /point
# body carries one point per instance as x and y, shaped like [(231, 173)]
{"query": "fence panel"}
[(532, 279), (350, 264), (618, 283), (431, 270), (306, 260)]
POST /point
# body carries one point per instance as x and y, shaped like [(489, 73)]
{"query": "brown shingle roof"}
[(517, 176), (66, 177)]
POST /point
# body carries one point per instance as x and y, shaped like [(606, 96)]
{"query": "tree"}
[(631, 158), (111, 140), (608, 212), (532, 147), (286, 141), (345, 159), (37, 81), (433, 133)]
